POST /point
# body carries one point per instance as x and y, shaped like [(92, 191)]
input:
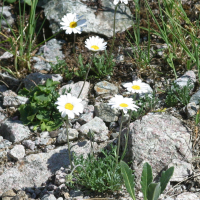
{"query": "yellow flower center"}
[(95, 47), (73, 24), (136, 87), (124, 105), (69, 106)]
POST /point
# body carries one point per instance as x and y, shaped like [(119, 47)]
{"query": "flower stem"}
[(70, 160), (118, 146), (126, 143), (113, 40), (86, 75)]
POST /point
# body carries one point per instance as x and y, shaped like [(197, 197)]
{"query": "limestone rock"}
[(97, 126), (104, 87), (14, 131), (98, 23), (158, 140)]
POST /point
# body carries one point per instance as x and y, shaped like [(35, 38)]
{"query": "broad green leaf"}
[(128, 179), (153, 191), (49, 82), (146, 179), (10, 1), (40, 117), (165, 177), (31, 117), (43, 126), (28, 2), (42, 98)]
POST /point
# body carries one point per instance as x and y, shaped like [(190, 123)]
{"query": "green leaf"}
[(49, 82), (31, 117), (28, 2), (153, 191), (146, 179), (165, 177), (43, 126), (10, 1), (128, 179)]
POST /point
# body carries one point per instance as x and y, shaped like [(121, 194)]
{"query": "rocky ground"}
[(33, 164)]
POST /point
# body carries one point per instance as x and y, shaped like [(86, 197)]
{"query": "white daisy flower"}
[(69, 105), (122, 1), (95, 43), (71, 22), (137, 87), (120, 102)]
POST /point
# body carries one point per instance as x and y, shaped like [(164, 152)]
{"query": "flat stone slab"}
[(35, 169)]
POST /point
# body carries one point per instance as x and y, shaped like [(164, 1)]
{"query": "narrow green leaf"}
[(146, 179), (128, 179), (28, 2), (153, 191), (165, 177)]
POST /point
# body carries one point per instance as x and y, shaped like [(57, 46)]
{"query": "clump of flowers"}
[(71, 22), (137, 87)]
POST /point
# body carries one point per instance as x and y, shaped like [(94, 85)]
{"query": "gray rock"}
[(3, 88), (44, 141), (48, 197), (195, 97), (105, 87), (191, 109), (183, 80), (6, 55), (17, 153), (120, 58), (188, 196), (29, 144), (97, 126), (62, 136), (84, 118), (14, 131), (10, 98), (106, 113), (75, 89), (34, 79), (182, 170), (75, 193), (8, 18), (9, 80), (4, 143), (158, 140), (2, 116), (60, 176), (99, 23), (47, 54), (88, 109), (37, 168)]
